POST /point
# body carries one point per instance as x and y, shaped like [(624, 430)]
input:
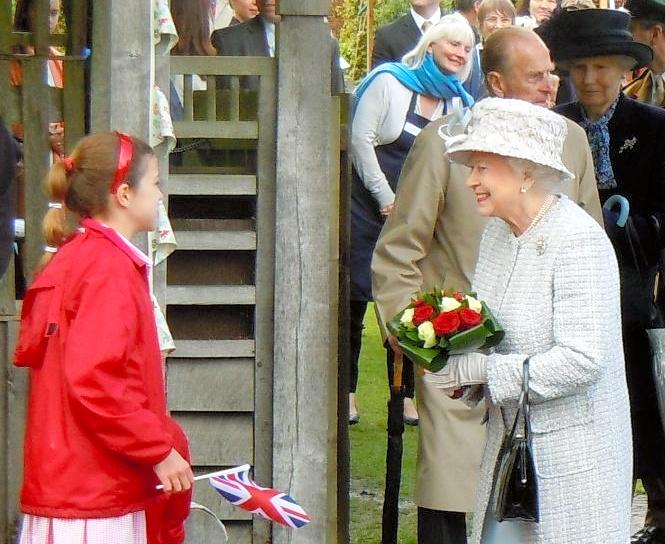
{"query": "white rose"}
[(407, 318), (426, 334), (474, 304), (449, 304)]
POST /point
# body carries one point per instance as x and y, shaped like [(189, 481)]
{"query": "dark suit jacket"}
[(248, 39), (9, 155), (637, 154), (394, 40)]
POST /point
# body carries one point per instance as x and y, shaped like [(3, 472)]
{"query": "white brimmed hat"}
[(510, 128)]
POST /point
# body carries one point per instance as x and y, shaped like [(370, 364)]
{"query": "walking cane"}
[(390, 519)]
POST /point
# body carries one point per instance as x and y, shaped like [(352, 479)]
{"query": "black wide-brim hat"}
[(578, 34)]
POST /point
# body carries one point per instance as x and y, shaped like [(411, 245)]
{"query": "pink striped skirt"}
[(127, 529)]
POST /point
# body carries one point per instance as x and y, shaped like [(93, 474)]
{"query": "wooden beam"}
[(121, 67), (305, 360)]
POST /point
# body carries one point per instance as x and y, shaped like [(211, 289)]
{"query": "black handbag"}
[(515, 484)]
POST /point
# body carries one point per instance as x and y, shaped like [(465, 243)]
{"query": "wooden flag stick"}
[(218, 473)]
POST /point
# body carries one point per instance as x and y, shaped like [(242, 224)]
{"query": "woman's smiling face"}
[(495, 184)]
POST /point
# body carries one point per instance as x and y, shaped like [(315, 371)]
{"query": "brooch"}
[(628, 144), (541, 246)]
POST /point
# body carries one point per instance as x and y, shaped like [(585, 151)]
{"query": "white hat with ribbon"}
[(510, 128)]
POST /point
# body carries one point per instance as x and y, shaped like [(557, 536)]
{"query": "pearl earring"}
[(523, 189)]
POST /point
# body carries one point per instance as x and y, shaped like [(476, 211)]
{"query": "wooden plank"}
[(201, 529), (213, 348), (74, 104), (215, 65), (211, 184), (216, 240), (211, 385), (17, 393), (218, 438), (233, 130), (265, 293), (207, 295), (302, 461)]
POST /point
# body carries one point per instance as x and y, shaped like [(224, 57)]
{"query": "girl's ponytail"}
[(55, 227)]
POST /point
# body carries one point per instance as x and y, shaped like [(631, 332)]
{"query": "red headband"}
[(124, 160)]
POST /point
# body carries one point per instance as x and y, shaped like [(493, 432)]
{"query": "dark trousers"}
[(357, 316), (440, 527), (655, 488)]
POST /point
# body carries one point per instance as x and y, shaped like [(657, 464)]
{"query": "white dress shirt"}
[(420, 20), (269, 29)]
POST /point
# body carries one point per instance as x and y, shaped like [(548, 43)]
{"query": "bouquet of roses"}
[(441, 323)]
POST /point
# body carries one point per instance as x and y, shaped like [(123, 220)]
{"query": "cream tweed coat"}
[(556, 292)]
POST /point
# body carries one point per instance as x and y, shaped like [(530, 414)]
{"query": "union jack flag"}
[(271, 504)]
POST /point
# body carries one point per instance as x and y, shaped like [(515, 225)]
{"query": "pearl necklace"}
[(541, 213)]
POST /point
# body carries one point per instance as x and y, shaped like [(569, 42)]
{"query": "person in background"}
[(469, 10), (192, 24), (9, 157), (243, 10), (432, 238), (391, 105), (394, 40), (24, 21), (221, 14), (533, 13), (256, 38), (648, 26), (492, 15), (627, 139)]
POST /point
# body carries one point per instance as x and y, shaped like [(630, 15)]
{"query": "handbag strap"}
[(523, 411)]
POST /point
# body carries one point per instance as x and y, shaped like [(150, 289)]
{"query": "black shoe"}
[(354, 419), (649, 535), (411, 421)]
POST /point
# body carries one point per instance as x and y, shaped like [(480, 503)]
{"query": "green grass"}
[(368, 449)]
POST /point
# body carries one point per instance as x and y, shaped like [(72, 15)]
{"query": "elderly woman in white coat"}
[(550, 274)]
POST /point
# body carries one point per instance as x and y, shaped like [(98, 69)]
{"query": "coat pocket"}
[(562, 437)]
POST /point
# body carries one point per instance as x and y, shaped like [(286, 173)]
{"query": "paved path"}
[(639, 509)]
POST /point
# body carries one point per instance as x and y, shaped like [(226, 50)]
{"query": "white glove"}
[(460, 370)]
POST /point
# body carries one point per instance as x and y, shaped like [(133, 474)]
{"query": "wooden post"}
[(121, 66), (306, 274), (121, 70)]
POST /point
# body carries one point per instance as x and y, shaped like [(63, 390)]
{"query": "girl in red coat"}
[(98, 437)]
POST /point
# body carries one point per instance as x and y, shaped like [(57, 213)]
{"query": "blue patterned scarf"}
[(599, 140), (428, 79)]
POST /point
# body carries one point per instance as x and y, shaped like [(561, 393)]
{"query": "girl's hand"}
[(174, 473)]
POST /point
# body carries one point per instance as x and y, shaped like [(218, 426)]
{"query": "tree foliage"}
[(349, 20)]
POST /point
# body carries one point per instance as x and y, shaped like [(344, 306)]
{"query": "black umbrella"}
[(394, 452)]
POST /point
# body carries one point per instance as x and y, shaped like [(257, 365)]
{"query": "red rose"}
[(418, 302), (422, 313), (470, 318), (459, 297), (446, 323)]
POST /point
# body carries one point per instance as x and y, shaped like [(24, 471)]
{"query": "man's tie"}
[(426, 25)]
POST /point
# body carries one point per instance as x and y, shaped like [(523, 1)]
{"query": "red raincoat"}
[(97, 419)]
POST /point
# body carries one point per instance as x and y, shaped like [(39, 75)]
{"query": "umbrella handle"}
[(397, 371), (624, 208)]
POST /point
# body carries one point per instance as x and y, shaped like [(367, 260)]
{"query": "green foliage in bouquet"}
[(439, 323)]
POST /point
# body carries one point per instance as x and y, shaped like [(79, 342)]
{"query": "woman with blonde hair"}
[(391, 105)]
